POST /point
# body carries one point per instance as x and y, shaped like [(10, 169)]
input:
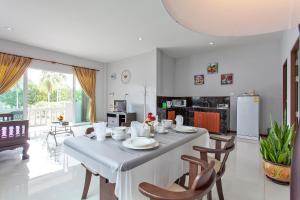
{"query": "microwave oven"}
[(179, 102)]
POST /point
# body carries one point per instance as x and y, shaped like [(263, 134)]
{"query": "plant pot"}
[(276, 172)]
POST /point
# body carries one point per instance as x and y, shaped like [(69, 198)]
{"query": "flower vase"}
[(152, 129)]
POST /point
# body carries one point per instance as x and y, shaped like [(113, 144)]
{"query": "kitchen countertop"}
[(199, 107), (211, 108)]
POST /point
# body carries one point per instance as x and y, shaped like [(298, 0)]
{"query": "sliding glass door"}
[(41, 96), (49, 95)]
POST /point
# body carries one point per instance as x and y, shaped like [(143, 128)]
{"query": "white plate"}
[(185, 129), (163, 132), (140, 143)]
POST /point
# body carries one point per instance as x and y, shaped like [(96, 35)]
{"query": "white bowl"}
[(167, 123), (118, 137), (119, 133)]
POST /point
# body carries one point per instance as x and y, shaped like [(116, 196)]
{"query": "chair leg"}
[(55, 139), (209, 196), (87, 182), (24, 153), (219, 189)]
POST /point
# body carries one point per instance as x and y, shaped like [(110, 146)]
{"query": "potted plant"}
[(276, 151), (60, 118)]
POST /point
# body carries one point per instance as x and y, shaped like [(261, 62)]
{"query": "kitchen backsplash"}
[(210, 101), (196, 101)]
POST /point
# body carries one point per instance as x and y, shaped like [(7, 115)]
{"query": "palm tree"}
[(51, 81)]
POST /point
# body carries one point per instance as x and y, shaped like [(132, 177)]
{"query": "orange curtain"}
[(87, 80), (11, 69)]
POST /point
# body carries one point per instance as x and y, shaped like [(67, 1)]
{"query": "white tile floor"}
[(44, 177)]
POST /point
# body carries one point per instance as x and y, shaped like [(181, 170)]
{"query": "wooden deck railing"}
[(6, 117)]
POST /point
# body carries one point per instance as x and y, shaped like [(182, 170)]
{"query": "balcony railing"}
[(43, 116)]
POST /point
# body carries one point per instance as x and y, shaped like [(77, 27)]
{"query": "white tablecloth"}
[(161, 171)]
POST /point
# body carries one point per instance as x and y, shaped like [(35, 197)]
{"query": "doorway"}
[(294, 115), (284, 87)]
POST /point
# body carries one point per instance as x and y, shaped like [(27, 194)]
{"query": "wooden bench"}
[(14, 134)]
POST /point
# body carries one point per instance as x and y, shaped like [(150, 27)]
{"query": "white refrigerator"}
[(248, 117)]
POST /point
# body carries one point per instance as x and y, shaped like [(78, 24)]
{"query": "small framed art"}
[(212, 68), (226, 79), (199, 79)]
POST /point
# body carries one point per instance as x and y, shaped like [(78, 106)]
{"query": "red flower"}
[(152, 118)]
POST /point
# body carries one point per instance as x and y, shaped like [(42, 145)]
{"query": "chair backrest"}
[(6, 117), (201, 174), (13, 132), (89, 130), (230, 144), (228, 147), (205, 178)]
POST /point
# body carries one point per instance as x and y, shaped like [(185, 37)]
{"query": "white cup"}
[(119, 133), (167, 123), (145, 131), (100, 130), (160, 129)]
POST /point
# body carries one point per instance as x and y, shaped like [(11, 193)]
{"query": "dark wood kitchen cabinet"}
[(209, 120), (171, 115)]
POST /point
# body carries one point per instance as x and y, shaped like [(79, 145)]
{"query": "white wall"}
[(165, 74), (30, 51), (288, 40), (143, 72), (256, 66)]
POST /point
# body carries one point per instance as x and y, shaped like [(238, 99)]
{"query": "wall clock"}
[(125, 76)]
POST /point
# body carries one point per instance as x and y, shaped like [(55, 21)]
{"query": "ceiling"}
[(105, 30)]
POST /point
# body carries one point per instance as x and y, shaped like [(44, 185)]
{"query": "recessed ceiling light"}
[(212, 43), (140, 38)]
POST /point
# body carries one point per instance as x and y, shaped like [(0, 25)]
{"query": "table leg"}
[(47, 136), (107, 190), (54, 135), (87, 182), (71, 131)]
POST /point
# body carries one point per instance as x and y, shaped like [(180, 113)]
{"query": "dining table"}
[(122, 169)]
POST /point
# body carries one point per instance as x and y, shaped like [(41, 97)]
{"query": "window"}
[(48, 95), (12, 100)]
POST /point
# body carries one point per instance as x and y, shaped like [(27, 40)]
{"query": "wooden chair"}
[(218, 151), (200, 184), (88, 172), (14, 134), (104, 183)]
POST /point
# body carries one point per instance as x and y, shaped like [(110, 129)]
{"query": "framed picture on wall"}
[(226, 79), (212, 68), (199, 79)]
